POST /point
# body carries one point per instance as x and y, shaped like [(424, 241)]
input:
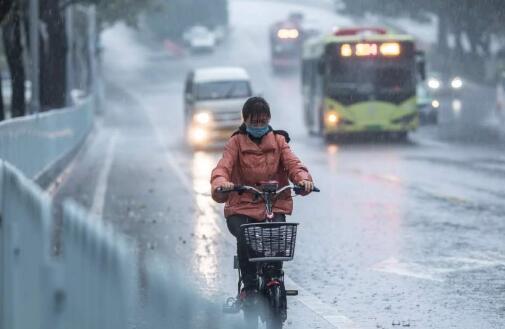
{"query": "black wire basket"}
[(267, 242)]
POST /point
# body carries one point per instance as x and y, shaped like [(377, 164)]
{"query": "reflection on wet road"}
[(205, 228)]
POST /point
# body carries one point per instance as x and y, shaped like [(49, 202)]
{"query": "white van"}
[(213, 100), (200, 39)]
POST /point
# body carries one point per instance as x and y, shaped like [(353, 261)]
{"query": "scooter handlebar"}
[(241, 188)]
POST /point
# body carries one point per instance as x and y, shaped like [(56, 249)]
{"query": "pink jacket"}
[(247, 163)]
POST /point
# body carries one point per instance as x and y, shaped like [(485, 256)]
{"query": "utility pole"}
[(34, 50)]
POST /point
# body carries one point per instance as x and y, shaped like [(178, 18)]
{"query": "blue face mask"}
[(257, 132)]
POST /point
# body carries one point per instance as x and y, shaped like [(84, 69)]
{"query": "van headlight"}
[(198, 135), (456, 83), (203, 118)]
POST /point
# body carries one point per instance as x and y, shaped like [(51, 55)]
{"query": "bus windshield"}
[(380, 74), (381, 79)]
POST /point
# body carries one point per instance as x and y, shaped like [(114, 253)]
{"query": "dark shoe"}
[(248, 296), (247, 293)]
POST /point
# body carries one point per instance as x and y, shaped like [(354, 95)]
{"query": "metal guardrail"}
[(94, 283), (99, 274), (24, 250), (35, 143)]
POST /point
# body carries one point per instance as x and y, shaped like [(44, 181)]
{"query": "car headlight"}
[(202, 118), (456, 83), (198, 135), (434, 83)]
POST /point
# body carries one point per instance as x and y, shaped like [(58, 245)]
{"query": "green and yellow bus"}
[(361, 80)]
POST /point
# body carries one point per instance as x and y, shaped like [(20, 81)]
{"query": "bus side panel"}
[(312, 88)]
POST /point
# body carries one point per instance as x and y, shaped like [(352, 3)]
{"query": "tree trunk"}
[(2, 106), (5, 7), (53, 77), (458, 36), (473, 37), (442, 32), (14, 53), (485, 44)]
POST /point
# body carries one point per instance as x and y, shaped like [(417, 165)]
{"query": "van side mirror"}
[(421, 64)]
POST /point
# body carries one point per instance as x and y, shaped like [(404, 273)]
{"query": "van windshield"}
[(222, 90)]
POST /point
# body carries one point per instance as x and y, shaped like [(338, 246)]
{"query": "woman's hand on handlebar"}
[(307, 185), (226, 187)]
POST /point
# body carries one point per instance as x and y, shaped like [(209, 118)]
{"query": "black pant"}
[(247, 268)]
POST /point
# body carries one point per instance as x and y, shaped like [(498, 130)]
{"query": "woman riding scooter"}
[(256, 153)]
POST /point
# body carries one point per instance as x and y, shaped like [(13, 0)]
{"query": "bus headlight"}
[(202, 118), (332, 118), (456, 83), (435, 104), (433, 83)]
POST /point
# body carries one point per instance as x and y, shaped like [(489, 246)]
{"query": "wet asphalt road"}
[(403, 235)]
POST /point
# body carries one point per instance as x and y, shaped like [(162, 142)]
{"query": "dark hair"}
[(254, 107)]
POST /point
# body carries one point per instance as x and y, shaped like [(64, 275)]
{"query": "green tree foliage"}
[(171, 17), (111, 11), (128, 11), (477, 21), (11, 14)]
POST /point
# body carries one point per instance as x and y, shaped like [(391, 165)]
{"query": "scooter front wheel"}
[(251, 318)]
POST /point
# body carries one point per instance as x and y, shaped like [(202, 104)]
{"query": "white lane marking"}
[(59, 181), (169, 155), (98, 204), (461, 264), (442, 266), (394, 266), (327, 312), (183, 177), (323, 310)]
